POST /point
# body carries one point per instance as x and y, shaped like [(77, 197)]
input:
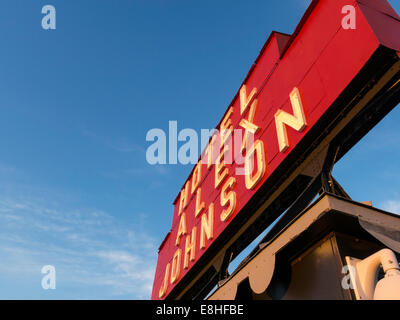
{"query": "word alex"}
[(199, 237)]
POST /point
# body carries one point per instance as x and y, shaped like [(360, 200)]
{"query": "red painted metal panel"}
[(321, 60)]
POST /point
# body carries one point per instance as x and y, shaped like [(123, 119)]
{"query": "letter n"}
[(297, 121)]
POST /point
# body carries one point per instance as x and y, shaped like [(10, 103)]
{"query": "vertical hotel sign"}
[(292, 84)]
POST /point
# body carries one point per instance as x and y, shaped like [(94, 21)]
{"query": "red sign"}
[(291, 85)]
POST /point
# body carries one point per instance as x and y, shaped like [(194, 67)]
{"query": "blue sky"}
[(75, 106)]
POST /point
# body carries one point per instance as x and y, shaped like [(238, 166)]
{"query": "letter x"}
[(248, 124)]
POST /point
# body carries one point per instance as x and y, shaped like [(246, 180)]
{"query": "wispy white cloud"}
[(7, 170), (120, 144), (125, 145), (89, 248), (391, 206)]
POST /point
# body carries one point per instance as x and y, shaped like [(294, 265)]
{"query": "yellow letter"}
[(164, 285), (229, 197), (207, 226), (251, 179), (190, 247), (196, 177), (181, 229), (210, 149), (199, 203), (297, 121), (220, 171), (176, 266), (244, 99), (248, 124), (226, 127), (184, 198)]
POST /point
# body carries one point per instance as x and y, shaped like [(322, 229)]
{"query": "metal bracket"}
[(223, 273), (323, 182)]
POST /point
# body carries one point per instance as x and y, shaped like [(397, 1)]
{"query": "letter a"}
[(49, 280), (349, 21), (49, 20)]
